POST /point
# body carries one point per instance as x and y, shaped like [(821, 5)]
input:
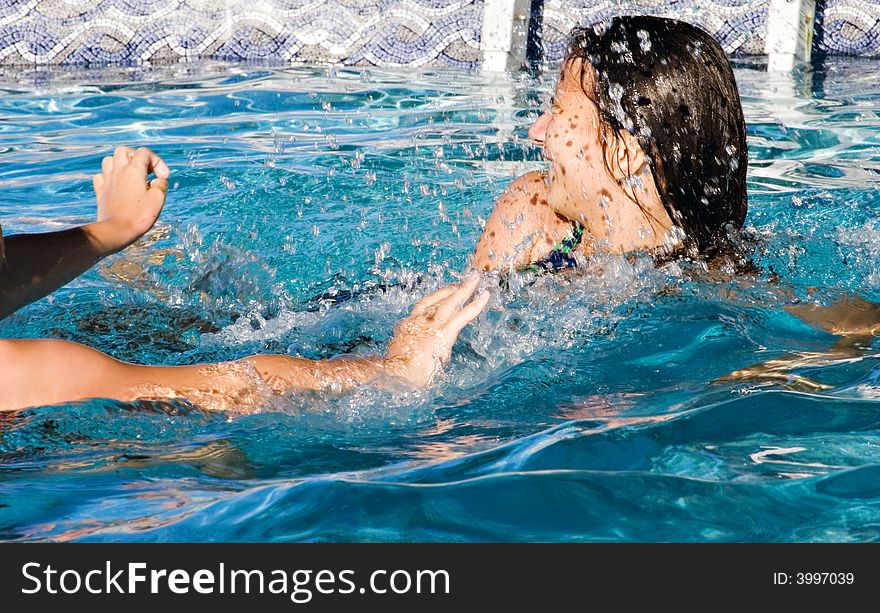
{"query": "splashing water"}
[(312, 208), (644, 41)]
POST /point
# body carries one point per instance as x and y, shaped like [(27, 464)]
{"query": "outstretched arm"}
[(522, 227), (128, 206), (42, 372)]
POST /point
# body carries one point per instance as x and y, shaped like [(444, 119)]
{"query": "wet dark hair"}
[(670, 85)]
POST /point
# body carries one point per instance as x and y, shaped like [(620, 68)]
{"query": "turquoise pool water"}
[(310, 208)]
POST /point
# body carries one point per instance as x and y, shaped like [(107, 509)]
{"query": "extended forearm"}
[(39, 372), (246, 384), (37, 264), (285, 373)]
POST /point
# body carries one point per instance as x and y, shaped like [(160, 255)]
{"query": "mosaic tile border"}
[(351, 32), (365, 32), (851, 27), (739, 25)]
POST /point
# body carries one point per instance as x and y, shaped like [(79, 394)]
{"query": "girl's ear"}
[(624, 156)]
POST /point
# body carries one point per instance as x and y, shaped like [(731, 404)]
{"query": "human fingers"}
[(122, 156), (159, 184), (157, 191), (431, 299), (467, 314), (98, 182), (107, 165), (151, 162), (456, 300)]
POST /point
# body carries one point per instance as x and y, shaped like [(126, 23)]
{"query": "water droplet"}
[(615, 92), (381, 253), (633, 182), (644, 40)]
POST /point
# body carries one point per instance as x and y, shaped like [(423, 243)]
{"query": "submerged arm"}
[(849, 316), (43, 372), (854, 320)]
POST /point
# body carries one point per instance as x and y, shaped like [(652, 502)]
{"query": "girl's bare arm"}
[(43, 372)]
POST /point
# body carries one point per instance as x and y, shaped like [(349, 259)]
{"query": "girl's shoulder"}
[(527, 186), (522, 227)]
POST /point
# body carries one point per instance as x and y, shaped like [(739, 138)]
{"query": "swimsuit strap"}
[(560, 257), (570, 242)]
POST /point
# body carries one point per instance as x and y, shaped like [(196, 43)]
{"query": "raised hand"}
[(423, 341), (128, 205)]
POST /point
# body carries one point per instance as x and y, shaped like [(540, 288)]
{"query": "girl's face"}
[(571, 135), (587, 179)]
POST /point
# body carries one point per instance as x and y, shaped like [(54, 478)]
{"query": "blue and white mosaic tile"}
[(381, 32), (364, 32), (739, 25), (851, 27)]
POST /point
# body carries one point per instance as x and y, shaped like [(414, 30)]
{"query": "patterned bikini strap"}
[(570, 242)]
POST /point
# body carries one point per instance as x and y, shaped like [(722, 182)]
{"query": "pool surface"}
[(311, 207)]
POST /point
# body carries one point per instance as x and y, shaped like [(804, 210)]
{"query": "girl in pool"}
[(646, 142), (645, 136), (42, 372)]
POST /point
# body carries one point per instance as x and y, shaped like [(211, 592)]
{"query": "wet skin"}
[(40, 372), (585, 184)]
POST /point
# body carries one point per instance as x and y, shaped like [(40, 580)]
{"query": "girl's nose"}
[(538, 131)]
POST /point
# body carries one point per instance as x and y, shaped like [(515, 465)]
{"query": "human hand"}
[(422, 342), (128, 206)]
